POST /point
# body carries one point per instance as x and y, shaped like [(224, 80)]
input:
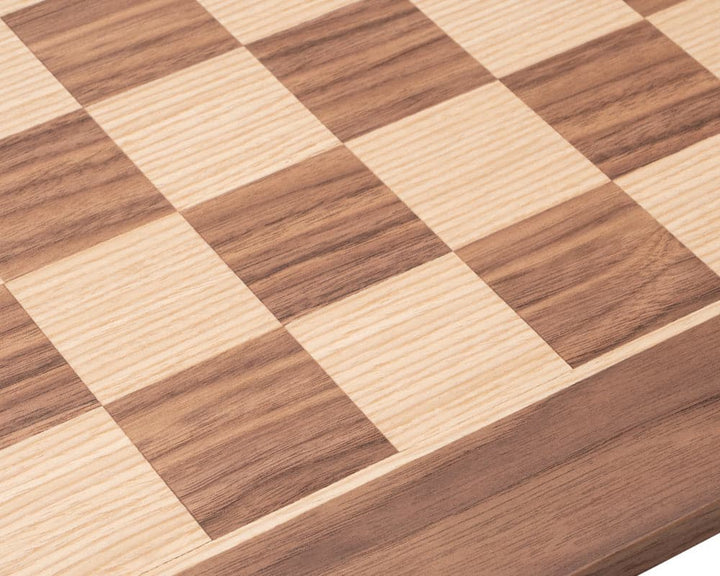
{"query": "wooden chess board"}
[(303, 287)]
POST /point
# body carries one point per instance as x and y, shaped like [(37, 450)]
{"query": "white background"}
[(702, 560)]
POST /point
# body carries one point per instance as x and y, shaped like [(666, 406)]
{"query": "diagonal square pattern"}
[(37, 388), (249, 431), (369, 64), (97, 49), (624, 100), (507, 36), (476, 163), (65, 186), (141, 306), (209, 129), (593, 273), (314, 233), (431, 353)]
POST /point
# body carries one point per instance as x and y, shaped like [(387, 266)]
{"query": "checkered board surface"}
[(256, 253)]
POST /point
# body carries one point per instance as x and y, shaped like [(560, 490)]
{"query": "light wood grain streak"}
[(682, 193), (8, 6), (252, 20), (476, 164), (29, 94), (506, 36), (695, 26), (426, 350), (80, 499), (212, 127), (413, 453), (141, 307)]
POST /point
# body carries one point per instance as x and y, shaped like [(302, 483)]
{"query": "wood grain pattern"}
[(141, 306), (592, 273), (476, 163), (252, 20), (65, 186), (249, 431), (29, 94), (513, 498), (427, 353), (7, 6), (315, 232), (211, 128), (507, 36), (80, 500), (100, 49), (648, 7), (694, 25), (682, 193), (624, 100), (369, 64), (37, 388)]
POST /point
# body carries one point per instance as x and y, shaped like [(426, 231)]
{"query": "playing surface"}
[(368, 287)]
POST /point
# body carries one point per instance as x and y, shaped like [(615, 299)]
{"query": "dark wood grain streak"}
[(315, 232), (592, 273), (249, 431), (624, 100), (647, 7), (65, 186), (614, 461), (369, 64), (100, 48), (37, 387)]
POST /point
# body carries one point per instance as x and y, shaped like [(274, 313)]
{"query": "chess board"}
[(303, 287)]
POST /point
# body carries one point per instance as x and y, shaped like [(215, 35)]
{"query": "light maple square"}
[(507, 36), (695, 26), (80, 499), (476, 164), (141, 306), (252, 20), (681, 191), (29, 94), (212, 127), (431, 352)]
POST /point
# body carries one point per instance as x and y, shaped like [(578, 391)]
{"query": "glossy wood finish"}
[(101, 48), (65, 186), (368, 64), (563, 487), (242, 434), (38, 390), (315, 232), (592, 273), (624, 100)]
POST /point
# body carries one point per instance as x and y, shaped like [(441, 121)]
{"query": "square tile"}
[(89, 191), (695, 26), (249, 431), (252, 20), (80, 499), (37, 388), (624, 100), (315, 232), (100, 48), (476, 163), (7, 6), (682, 193), (593, 273), (648, 7), (142, 306), (431, 352), (369, 64), (507, 36), (211, 128), (29, 94)]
